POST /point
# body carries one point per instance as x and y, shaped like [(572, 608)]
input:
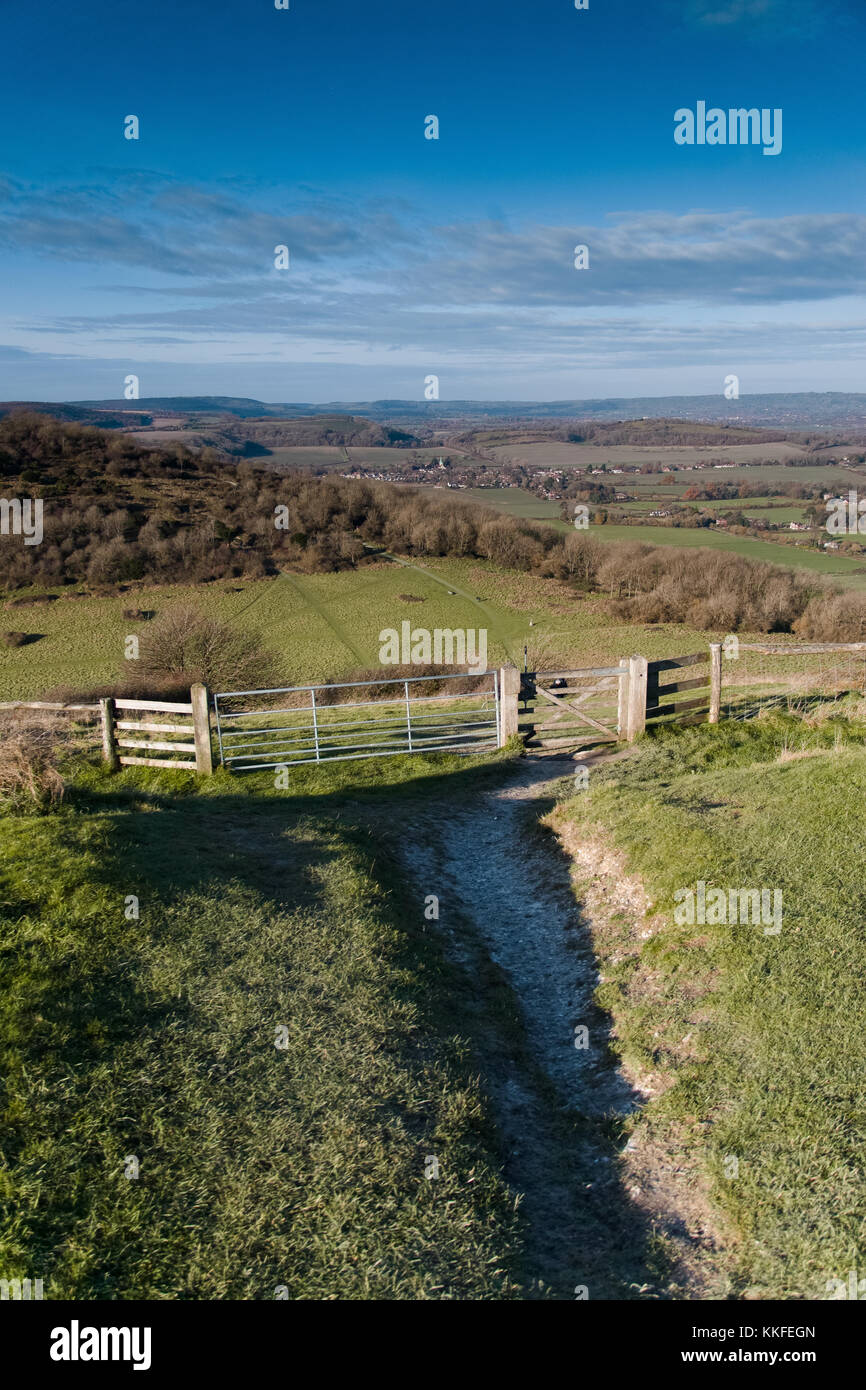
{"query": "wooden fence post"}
[(109, 743), (201, 727), (715, 681), (637, 688), (622, 700), (509, 693)]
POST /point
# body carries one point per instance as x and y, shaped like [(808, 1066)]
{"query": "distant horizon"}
[(822, 411), (141, 403)]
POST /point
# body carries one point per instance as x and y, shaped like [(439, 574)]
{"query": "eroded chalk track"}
[(594, 1209)]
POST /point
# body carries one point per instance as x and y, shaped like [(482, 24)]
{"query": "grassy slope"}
[(260, 1167), (762, 1035), (301, 618)]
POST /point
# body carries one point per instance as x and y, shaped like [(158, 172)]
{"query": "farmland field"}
[(761, 506), (344, 459), (322, 627), (557, 454), (312, 456), (840, 568), (516, 501), (834, 478), (374, 457)]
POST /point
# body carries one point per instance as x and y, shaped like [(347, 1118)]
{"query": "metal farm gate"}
[(325, 723)]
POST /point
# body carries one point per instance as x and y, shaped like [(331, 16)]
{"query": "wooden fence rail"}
[(116, 733), (136, 734), (660, 704), (630, 697), (635, 689)]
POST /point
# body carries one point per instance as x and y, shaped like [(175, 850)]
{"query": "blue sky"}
[(412, 257)]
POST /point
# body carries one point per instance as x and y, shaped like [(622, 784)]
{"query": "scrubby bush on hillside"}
[(706, 589), (833, 618), (184, 646)]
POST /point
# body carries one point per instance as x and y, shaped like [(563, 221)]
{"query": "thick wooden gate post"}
[(109, 743), (201, 729), (637, 688), (622, 700), (715, 681), (509, 694)]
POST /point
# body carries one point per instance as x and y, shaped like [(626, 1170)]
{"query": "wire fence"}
[(790, 676)]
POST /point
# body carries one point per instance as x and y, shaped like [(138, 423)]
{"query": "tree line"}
[(115, 512)]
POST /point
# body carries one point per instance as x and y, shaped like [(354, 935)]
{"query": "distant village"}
[(550, 483), (596, 485)]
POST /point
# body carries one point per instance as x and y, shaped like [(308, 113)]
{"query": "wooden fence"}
[(148, 735), (783, 674), (547, 709), (661, 707), (629, 698), (558, 708)]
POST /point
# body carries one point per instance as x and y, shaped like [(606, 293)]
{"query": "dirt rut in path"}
[(494, 864), (505, 892)]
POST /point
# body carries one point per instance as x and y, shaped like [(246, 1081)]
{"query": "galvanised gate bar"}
[(316, 723)]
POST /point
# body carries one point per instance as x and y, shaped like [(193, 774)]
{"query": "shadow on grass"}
[(580, 1226)]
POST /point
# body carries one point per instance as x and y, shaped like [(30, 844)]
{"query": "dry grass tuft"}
[(29, 780)]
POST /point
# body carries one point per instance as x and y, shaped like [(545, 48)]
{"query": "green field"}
[(850, 573), (556, 454), (835, 478), (514, 501), (844, 570), (772, 508), (775, 515), (754, 1042), (325, 626), (275, 1041), (322, 627)]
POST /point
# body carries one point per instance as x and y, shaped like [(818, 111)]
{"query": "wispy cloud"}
[(785, 18), (376, 280)]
